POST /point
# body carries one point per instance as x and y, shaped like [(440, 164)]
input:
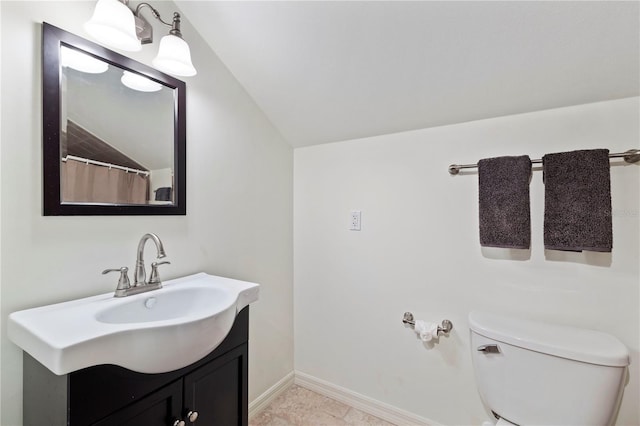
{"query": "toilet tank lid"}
[(574, 343)]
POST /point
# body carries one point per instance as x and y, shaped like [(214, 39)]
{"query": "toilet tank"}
[(547, 374)]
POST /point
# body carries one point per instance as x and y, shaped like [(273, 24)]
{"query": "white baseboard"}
[(364, 403), (261, 402)]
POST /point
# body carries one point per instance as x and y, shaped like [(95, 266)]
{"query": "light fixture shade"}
[(113, 24), (139, 82), (174, 57), (81, 61)]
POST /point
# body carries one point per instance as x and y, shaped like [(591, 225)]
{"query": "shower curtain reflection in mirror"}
[(89, 183)]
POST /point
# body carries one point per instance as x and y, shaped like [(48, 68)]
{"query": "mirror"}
[(114, 133)]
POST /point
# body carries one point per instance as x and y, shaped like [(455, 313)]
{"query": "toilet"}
[(534, 373)]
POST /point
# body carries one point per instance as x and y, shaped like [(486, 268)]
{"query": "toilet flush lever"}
[(489, 349)]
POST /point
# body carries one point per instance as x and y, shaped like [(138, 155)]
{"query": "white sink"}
[(175, 303), (154, 332)]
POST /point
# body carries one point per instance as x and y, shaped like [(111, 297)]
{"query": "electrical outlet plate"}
[(354, 220)]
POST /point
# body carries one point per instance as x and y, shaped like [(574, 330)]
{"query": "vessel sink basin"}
[(153, 332)]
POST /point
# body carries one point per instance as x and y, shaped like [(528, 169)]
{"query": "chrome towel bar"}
[(630, 156)]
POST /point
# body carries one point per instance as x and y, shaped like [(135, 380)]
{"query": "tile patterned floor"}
[(298, 406)]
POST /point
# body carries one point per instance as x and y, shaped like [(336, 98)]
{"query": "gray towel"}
[(577, 201), (163, 194), (503, 188)]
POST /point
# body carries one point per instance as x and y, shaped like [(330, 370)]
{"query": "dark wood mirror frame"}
[(52, 40)]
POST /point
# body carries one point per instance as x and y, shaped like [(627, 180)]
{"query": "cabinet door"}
[(161, 408), (217, 392)]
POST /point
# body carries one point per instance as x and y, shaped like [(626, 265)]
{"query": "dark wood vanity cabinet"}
[(212, 391), (163, 407)]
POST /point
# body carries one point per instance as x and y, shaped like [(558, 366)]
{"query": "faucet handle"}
[(123, 282), (155, 277)]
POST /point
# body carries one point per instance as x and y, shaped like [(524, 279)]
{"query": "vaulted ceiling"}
[(331, 71)]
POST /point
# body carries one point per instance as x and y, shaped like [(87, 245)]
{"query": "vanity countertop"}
[(131, 331)]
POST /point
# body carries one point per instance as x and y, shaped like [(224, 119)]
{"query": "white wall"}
[(1, 316), (239, 200), (419, 251)]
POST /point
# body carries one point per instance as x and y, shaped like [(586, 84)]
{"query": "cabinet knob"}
[(179, 423), (192, 416)]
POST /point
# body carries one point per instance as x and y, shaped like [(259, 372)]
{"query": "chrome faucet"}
[(140, 284), (140, 276)]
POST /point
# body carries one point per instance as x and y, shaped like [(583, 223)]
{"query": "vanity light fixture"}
[(115, 24), (138, 82)]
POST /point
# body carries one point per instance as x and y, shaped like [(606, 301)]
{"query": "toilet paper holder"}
[(444, 328)]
